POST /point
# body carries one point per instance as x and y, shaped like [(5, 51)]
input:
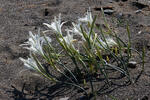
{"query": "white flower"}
[(76, 29), (29, 63), (56, 25), (87, 18), (68, 38), (35, 43), (102, 43), (42, 39), (109, 41)]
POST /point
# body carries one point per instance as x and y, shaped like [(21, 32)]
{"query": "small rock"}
[(138, 11), (139, 32), (108, 11), (132, 64)]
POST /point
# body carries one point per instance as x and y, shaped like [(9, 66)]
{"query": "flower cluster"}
[(93, 53), (30, 63), (35, 41), (56, 25), (34, 45)]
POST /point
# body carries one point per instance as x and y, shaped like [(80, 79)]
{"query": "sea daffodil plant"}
[(96, 54)]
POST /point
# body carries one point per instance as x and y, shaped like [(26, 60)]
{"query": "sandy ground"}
[(17, 17)]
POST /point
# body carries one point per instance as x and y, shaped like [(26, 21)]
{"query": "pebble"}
[(138, 11), (132, 64), (108, 11), (139, 32)]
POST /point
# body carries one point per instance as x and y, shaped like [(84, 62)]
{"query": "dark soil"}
[(17, 17)]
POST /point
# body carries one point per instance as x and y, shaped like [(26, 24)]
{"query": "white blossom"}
[(68, 38), (35, 43), (29, 63), (88, 17), (56, 25), (77, 30), (110, 42)]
